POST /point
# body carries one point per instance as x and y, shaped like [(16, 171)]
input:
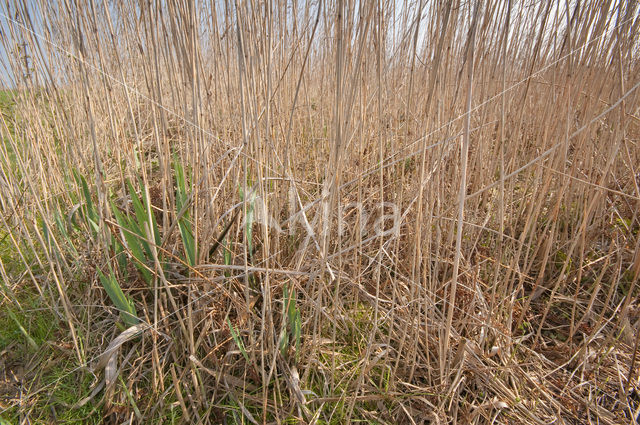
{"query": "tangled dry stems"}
[(507, 293)]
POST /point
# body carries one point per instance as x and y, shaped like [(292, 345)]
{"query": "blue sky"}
[(9, 22), (11, 13)]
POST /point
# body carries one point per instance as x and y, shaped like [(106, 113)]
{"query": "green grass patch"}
[(30, 334), (7, 102), (29, 325)]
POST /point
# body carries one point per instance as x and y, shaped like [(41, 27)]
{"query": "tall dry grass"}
[(439, 200)]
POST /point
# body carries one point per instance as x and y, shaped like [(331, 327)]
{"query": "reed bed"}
[(320, 212)]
